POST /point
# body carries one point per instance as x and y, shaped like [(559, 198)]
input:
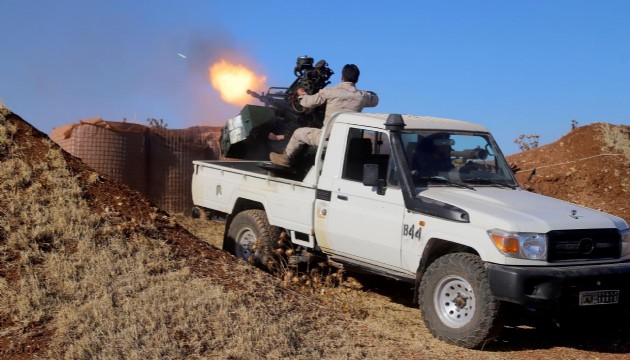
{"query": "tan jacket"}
[(341, 97)]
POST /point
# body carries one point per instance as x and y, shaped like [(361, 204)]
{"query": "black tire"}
[(456, 302), (251, 238)]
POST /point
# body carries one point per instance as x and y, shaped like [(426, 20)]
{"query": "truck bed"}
[(220, 185)]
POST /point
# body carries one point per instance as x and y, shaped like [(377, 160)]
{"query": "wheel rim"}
[(454, 301), (245, 241)]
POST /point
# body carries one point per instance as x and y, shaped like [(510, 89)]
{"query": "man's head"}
[(443, 146), (350, 72), (437, 143)]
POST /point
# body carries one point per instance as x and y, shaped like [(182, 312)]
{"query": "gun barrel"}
[(254, 94)]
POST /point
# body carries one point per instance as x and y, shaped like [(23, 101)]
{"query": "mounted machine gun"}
[(246, 136)]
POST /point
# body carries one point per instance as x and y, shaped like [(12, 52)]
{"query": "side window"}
[(365, 147)]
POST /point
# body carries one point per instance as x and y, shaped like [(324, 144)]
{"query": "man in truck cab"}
[(341, 97), (433, 155)]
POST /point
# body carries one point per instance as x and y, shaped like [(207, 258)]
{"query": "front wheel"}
[(456, 302)]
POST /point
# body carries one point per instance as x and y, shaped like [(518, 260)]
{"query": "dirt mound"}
[(589, 166)]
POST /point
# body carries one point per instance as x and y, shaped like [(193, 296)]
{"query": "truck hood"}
[(520, 210)]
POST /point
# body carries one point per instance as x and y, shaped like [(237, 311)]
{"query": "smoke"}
[(206, 107)]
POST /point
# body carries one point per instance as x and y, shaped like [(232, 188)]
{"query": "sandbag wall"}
[(155, 161), (113, 148)]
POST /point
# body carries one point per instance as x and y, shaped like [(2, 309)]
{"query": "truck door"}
[(361, 224)]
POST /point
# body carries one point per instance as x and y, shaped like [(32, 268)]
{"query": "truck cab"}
[(382, 185)]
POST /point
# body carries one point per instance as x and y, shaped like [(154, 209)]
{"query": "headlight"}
[(532, 246), (625, 242)]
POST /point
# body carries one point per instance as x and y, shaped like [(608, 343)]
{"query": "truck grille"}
[(585, 244)]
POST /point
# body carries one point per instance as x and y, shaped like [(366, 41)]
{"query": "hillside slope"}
[(589, 166)]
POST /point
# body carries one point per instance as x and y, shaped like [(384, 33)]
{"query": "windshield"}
[(455, 157)]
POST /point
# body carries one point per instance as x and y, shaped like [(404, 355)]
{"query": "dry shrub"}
[(6, 137), (4, 112), (7, 131), (527, 142)]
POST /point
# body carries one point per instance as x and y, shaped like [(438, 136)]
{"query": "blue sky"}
[(517, 67)]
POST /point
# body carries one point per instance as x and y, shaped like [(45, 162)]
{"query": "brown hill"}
[(589, 166), (91, 269)]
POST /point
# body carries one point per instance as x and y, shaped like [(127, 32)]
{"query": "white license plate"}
[(599, 297)]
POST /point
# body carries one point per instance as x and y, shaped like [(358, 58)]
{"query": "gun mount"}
[(246, 136)]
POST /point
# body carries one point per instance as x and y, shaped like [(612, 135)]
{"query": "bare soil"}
[(589, 166), (378, 312)]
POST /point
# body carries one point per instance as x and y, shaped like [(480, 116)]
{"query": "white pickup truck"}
[(432, 202)]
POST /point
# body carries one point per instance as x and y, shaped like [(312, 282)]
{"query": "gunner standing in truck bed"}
[(341, 97)]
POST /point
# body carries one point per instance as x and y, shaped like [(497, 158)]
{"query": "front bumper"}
[(546, 287)]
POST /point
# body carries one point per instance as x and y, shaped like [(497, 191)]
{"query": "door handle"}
[(342, 197)]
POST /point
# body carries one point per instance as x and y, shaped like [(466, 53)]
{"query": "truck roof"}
[(411, 121)]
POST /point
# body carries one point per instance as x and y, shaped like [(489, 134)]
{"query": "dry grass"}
[(7, 131), (209, 231)]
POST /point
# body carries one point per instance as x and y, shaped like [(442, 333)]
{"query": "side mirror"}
[(370, 178)]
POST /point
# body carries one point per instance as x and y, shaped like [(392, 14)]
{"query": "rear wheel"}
[(195, 213), (456, 302), (250, 237)]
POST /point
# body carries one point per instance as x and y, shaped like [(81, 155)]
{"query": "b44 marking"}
[(411, 231)]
